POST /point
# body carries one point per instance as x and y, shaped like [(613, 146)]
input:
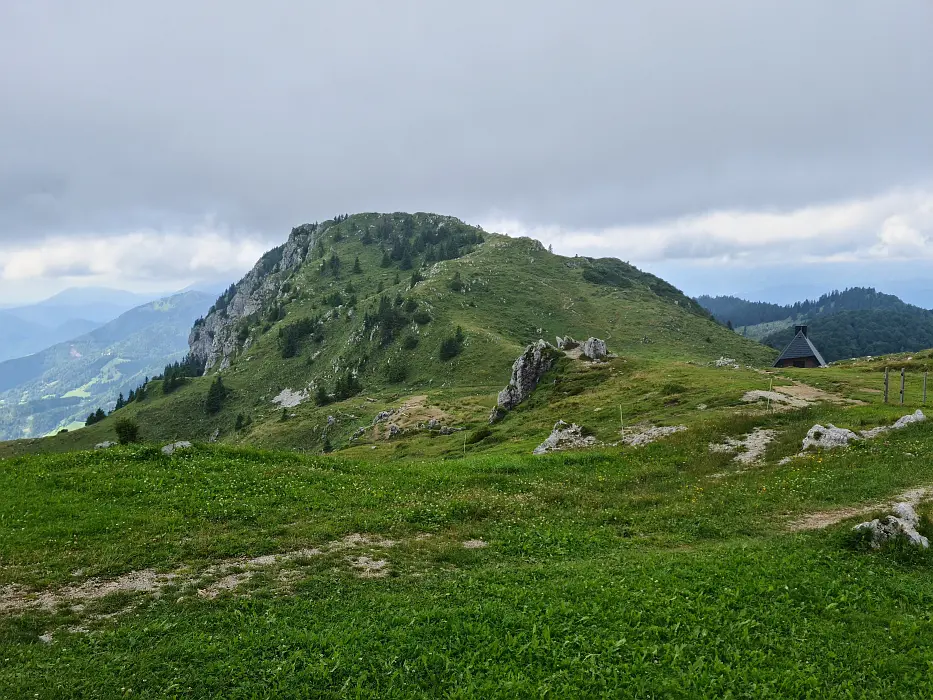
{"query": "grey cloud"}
[(585, 114)]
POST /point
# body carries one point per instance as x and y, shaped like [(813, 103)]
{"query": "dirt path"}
[(823, 519)]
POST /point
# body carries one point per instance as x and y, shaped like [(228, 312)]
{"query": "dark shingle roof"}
[(799, 348)]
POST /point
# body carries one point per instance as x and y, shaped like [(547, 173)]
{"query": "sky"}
[(769, 149)]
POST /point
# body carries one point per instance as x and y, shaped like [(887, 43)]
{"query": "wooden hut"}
[(801, 352)]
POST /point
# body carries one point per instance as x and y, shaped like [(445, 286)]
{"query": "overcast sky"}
[(734, 146)]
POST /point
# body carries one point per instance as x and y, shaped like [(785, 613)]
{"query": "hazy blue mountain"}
[(20, 337), (96, 304), (64, 382)]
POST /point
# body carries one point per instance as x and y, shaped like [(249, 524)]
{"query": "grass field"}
[(663, 571)]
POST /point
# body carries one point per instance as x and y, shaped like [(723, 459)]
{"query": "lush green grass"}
[(628, 572)]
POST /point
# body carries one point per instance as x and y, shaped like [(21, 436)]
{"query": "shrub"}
[(452, 346), (422, 317), (479, 435), (456, 284), (396, 371), (410, 305), (410, 341), (127, 430)]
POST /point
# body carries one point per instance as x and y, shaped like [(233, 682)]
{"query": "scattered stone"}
[(173, 447), (651, 435), (750, 449), (527, 371), (911, 418), (727, 362), (901, 423), (565, 437), (434, 424), (702, 407), (383, 416), (359, 432), (331, 420), (827, 438), (289, 399), (106, 445), (594, 349), (902, 523), (394, 430), (475, 544), (214, 435)]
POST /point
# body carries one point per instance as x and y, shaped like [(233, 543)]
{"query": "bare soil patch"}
[(823, 519)]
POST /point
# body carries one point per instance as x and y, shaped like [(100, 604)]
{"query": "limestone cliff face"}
[(213, 340)]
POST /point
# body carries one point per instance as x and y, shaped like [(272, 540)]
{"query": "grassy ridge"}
[(513, 292)]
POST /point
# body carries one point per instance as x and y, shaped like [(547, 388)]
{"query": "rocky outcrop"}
[(213, 340), (594, 349), (566, 343), (565, 437), (170, 449), (106, 445), (902, 523), (827, 438), (527, 371)]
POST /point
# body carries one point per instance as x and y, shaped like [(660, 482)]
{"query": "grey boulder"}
[(173, 447)]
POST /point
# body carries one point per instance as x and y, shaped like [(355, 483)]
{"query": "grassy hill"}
[(59, 386), (301, 327)]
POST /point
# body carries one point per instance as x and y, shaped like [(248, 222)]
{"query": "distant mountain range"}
[(852, 323), (63, 383), (68, 314)]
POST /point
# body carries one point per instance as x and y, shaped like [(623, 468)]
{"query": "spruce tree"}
[(215, 395)]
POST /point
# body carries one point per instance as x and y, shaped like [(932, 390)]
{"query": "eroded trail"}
[(823, 519)]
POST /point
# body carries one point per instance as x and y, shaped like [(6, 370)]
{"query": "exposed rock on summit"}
[(213, 340), (527, 371)]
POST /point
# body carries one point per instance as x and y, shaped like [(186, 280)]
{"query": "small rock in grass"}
[(104, 445), (903, 523), (475, 544), (173, 447)]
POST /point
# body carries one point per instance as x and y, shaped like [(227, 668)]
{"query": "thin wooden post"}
[(885, 384), (903, 373), (924, 388)]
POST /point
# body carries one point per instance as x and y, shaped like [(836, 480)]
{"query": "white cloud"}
[(144, 260), (896, 225)]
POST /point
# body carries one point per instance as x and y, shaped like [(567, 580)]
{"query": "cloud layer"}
[(593, 116), (896, 226)]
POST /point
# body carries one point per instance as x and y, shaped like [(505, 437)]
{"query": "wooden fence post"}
[(885, 384), (903, 372)]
